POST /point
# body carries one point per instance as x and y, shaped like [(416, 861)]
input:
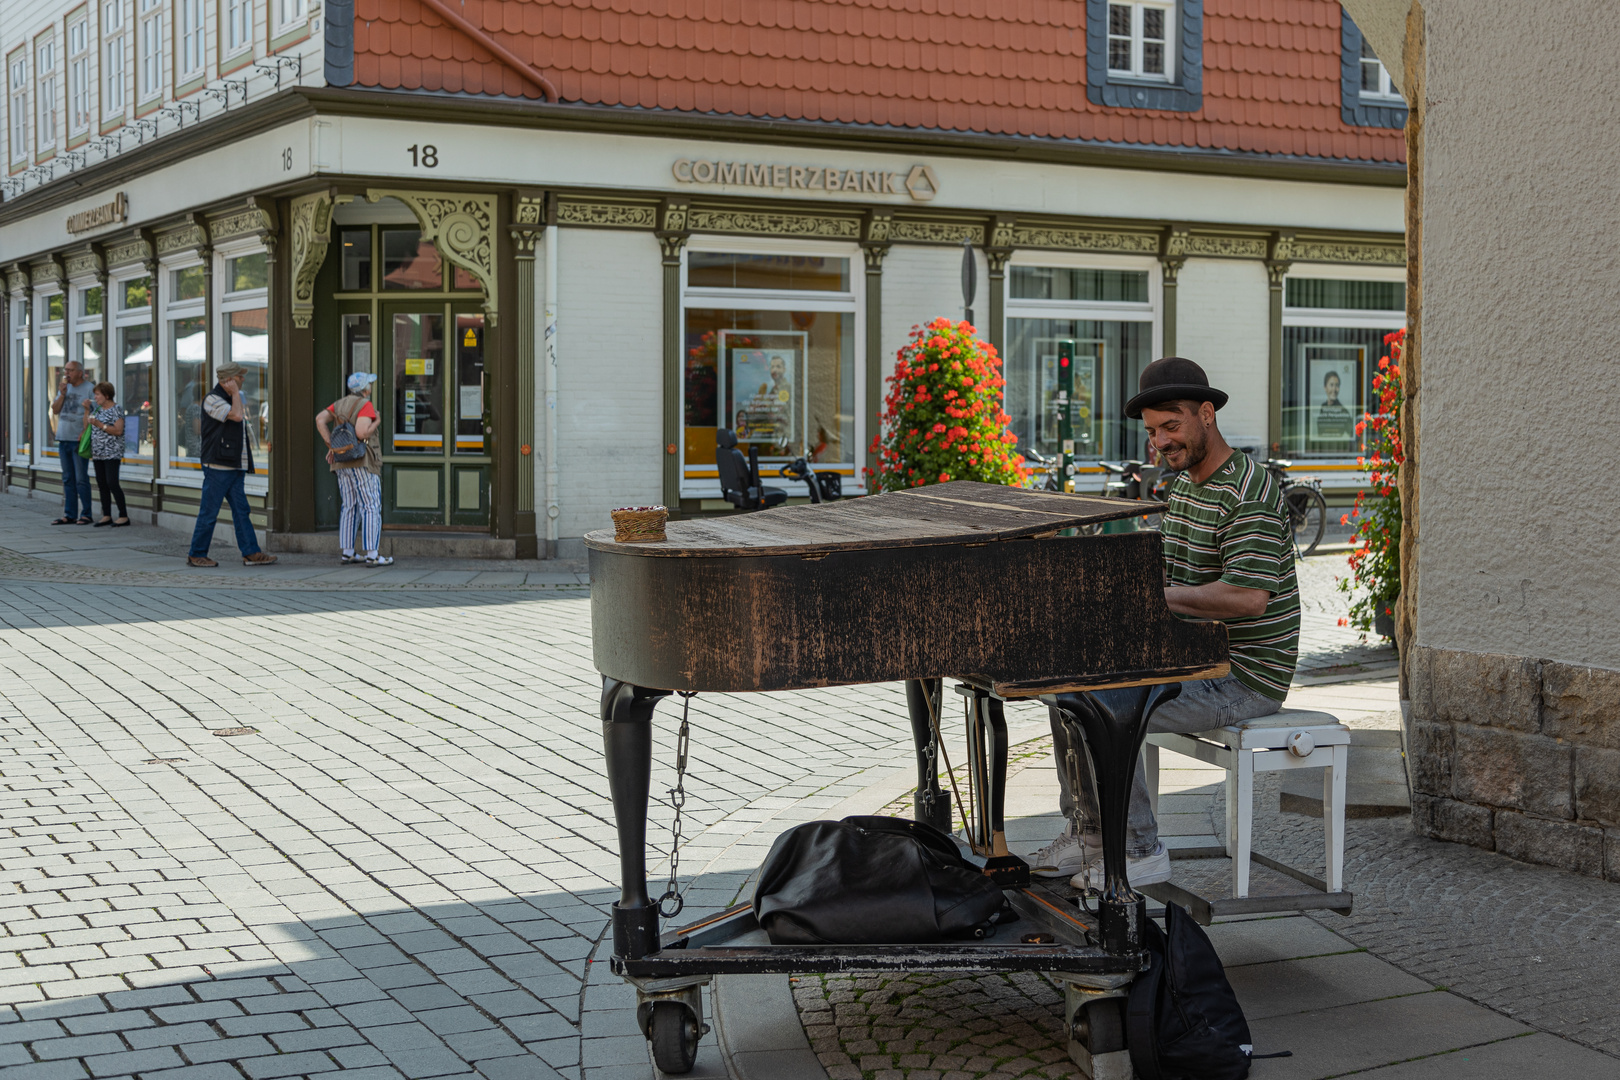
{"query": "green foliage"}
[(1375, 556)]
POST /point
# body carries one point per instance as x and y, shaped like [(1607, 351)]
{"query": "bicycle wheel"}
[(1307, 515)]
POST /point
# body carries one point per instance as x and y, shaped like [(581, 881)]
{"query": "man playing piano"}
[(1228, 555)]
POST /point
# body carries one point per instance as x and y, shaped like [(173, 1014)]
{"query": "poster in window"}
[(1334, 407), (767, 394)]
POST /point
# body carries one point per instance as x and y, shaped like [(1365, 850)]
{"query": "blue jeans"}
[(220, 485), (75, 481), (1203, 705)]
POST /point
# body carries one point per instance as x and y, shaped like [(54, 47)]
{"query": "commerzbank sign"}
[(919, 183)]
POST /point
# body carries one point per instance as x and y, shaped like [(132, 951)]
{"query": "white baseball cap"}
[(360, 380)]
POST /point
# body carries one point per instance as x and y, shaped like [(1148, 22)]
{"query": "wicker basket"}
[(639, 524)]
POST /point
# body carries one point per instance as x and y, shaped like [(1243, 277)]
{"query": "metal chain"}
[(677, 799)]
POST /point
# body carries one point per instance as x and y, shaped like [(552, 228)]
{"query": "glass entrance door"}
[(436, 463)]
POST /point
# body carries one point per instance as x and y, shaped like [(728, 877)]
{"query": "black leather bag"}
[(872, 881)]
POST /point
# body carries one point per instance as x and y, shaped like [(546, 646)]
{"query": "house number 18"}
[(426, 155)]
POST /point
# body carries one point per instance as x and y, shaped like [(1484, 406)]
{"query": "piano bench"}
[(1289, 739)]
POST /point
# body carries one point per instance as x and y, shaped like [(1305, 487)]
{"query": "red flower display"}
[(942, 416), (1375, 555)]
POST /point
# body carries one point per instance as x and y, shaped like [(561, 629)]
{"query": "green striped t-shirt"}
[(1233, 528)]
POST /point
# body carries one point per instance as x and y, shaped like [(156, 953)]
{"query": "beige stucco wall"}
[(1520, 331)]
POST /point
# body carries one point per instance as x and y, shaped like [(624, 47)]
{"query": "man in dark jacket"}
[(227, 459)]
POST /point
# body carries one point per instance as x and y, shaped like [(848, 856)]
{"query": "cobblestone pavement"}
[(404, 870)]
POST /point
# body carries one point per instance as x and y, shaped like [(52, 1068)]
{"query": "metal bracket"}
[(271, 65)]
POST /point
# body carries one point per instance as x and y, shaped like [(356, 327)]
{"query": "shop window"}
[(135, 293), (1145, 54), (1368, 97), (246, 341), (188, 284), (50, 343), (410, 262), (1333, 335), (87, 335), (769, 351), (130, 370), (1108, 313), (21, 396), (356, 259)]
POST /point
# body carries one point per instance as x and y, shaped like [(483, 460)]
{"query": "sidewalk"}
[(404, 868), (149, 555)]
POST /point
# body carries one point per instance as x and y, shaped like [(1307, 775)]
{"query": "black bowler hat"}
[(1172, 378)]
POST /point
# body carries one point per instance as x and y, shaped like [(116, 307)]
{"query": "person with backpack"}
[(350, 428)]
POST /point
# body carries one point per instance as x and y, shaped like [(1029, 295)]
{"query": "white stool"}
[(1290, 739)]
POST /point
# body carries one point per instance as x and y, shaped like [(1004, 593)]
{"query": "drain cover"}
[(227, 732)]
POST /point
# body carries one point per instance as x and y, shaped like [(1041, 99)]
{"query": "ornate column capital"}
[(311, 233)]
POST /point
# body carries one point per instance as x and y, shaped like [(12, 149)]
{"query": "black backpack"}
[(872, 881), (1182, 1021)]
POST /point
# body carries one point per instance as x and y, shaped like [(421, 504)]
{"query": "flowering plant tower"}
[(1375, 546), (942, 417)]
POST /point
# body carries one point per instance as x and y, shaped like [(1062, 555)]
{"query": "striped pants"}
[(362, 509)]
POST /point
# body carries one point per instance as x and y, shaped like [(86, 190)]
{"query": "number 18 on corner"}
[(424, 156)]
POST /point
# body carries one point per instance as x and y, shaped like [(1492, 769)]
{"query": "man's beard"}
[(1196, 447)]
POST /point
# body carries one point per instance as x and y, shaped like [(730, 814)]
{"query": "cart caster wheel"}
[(675, 1034)]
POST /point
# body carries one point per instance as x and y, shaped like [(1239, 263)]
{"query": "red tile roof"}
[(1000, 67)]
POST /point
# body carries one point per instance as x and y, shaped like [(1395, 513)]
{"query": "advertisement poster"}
[(766, 396), (1333, 406)]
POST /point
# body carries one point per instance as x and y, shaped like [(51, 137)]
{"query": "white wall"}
[(1519, 324), (609, 378), (919, 285), (1223, 323)]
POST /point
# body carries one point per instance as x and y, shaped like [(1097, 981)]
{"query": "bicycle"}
[(1307, 509)]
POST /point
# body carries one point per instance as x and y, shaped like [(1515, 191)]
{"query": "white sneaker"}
[(379, 560), (1066, 855), (1139, 870)]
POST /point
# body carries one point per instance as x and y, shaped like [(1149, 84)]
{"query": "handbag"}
[(346, 444), (85, 449), (873, 881)]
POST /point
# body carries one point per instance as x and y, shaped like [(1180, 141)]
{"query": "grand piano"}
[(982, 584)]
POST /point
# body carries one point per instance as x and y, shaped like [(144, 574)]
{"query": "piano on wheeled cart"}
[(964, 580)]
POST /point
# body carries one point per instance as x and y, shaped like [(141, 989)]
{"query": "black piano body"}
[(976, 582)]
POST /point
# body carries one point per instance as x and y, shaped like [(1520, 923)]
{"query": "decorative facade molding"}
[(81, 264), (1344, 252), (45, 273), (607, 215), (1226, 247), (191, 238), (937, 232), (878, 227), (529, 210), (1087, 240), (765, 223), (311, 233), (253, 221), (126, 252), (16, 280), (462, 227)]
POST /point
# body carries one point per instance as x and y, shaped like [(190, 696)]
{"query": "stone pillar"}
[(1277, 264), (528, 213), (1172, 257), (874, 246), (672, 237)]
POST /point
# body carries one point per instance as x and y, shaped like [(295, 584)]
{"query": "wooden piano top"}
[(958, 512)]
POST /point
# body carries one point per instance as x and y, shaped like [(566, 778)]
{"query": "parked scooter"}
[(824, 487)]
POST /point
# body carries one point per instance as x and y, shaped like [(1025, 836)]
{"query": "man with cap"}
[(227, 459), (360, 480), (1228, 555)]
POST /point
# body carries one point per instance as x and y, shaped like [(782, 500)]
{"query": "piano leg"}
[(933, 806), (1114, 723), (987, 775), (627, 736)]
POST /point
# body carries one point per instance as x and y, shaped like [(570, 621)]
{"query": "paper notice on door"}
[(416, 365), (472, 401), (427, 365)]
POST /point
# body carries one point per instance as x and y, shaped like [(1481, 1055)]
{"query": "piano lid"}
[(962, 511)]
